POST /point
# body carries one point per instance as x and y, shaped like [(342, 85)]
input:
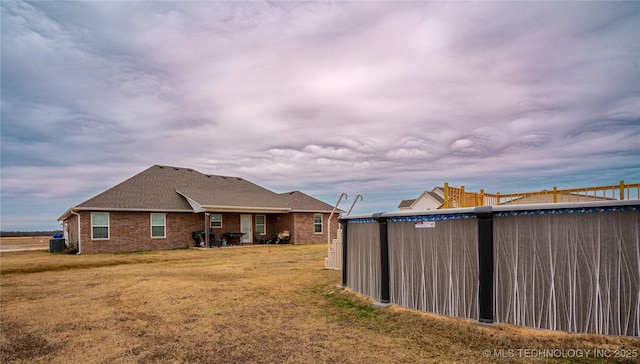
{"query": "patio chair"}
[(286, 236), (283, 237), (215, 240), (260, 238), (274, 239)]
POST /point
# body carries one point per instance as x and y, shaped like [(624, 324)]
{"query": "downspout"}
[(79, 236)]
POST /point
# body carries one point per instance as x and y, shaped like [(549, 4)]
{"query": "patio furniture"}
[(198, 236), (283, 237), (234, 237), (260, 239), (274, 239), (215, 240)]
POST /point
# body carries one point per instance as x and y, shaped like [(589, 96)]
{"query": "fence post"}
[(621, 190), (485, 263), (555, 194), (344, 224), (384, 259), (446, 195)]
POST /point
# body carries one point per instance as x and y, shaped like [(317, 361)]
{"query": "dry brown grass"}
[(257, 304), (24, 243)]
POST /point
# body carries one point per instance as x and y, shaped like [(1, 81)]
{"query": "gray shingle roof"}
[(165, 188), (409, 203), (436, 197), (406, 203), (299, 201)]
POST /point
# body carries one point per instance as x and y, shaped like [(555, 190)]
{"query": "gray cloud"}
[(385, 99)]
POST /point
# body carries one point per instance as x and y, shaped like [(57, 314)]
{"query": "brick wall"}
[(230, 222), (305, 233), (283, 222), (71, 231), (131, 231)]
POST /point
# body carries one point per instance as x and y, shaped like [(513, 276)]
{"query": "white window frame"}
[(101, 226), (264, 224), (212, 221), (164, 225), (316, 224)]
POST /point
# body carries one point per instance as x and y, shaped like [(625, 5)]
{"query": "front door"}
[(245, 227)]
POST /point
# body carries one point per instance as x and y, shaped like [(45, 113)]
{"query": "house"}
[(428, 200), (162, 207)]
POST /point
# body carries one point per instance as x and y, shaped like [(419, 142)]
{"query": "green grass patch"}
[(348, 307)]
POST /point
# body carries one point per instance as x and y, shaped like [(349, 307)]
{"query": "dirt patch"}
[(21, 344), (24, 243)]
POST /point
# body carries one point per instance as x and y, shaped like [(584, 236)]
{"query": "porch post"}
[(207, 224)]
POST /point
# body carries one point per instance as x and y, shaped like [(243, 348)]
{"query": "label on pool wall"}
[(425, 224)]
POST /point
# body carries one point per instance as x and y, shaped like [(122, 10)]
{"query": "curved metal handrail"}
[(343, 194), (354, 203)]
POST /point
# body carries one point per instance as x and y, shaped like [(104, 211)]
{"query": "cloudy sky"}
[(380, 98)]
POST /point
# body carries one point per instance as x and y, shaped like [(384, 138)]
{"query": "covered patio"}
[(233, 228)]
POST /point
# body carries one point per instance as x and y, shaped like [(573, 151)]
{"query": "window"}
[(261, 224), (158, 225), (317, 223), (100, 225), (216, 220)]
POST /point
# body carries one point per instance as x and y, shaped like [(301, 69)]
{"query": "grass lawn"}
[(255, 304)]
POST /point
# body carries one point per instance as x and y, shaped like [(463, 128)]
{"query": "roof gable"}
[(435, 196)]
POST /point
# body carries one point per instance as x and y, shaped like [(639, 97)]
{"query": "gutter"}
[(317, 211), (65, 215), (124, 209), (247, 209)]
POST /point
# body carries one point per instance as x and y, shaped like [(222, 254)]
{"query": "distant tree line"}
[(9, 234)]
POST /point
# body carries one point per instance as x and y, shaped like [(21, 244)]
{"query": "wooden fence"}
[(457, 197)]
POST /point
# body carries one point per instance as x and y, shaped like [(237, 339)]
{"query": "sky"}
[(385, 99)]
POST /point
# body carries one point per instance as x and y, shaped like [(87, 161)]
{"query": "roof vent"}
[(177, 169)]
